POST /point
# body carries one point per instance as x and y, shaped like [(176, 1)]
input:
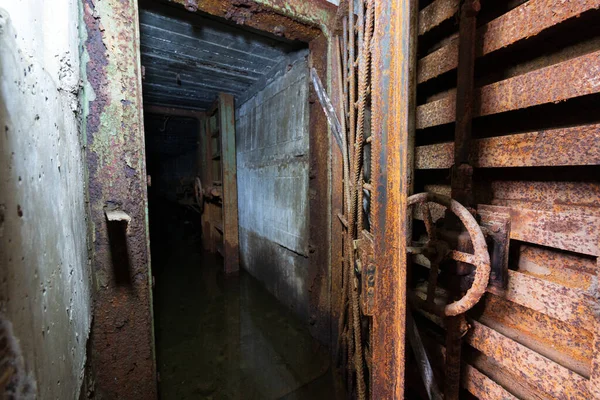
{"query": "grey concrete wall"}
[(44, 274), (272, 146)]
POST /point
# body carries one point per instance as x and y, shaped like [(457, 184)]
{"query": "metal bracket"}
[(368, 270), (495, 224)]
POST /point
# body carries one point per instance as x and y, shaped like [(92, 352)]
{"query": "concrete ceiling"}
[(188, 59)]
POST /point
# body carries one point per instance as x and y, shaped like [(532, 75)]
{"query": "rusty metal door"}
[(489, 112), (507, 148), (372, 90)]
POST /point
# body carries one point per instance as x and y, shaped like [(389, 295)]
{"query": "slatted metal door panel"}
[(536, 152)]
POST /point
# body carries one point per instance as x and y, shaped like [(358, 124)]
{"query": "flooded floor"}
[(224, 338)]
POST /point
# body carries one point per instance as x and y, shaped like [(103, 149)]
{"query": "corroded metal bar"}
[(568, 79), (462, 192), (529, 364), (436, 13), (523, 22), (293, 19), (571, 231), (569, 305), (351, 82), (483, 387), (594, 383), (332, 117), (579, 145), (423, 363), (552, 338), (393, 104), (116, 169)]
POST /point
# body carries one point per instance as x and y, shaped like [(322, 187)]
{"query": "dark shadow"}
[(117, 238)]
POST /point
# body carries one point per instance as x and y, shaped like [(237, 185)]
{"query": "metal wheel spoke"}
[(433, 277), (429, 225), (464, 257)]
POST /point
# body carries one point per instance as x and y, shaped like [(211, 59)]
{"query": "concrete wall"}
[(44, 289), (272, 145)]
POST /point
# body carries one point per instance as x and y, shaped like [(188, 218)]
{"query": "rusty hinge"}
[(495, 224)]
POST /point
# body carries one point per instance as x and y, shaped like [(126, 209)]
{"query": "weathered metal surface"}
[(521, 23), (231, 248), (480, 258), (578, 145), (465, 99), (570, 305), (562, 81), (122, 343), (562, 342), (483, 387), (564, 304), (393, 105), (337, 202), (495, 224), (364, 247), (319, 200), (572, 231), (548, 195), (594, 383), (328, 109), (294, 20), (527, 363), (436, 13), (189, 59)]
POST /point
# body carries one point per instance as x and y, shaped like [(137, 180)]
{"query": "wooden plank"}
[(541, 372), (578, 145), (229, 178), (523, 22), (562, 81)]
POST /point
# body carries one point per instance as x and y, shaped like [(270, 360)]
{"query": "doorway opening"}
[(228, 150)]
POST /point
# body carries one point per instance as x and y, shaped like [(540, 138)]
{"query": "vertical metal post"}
[(122, 337), (462, 181), (393, 124), (231, 251)]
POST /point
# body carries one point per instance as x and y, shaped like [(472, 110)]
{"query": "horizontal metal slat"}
[(552, 338), (569, 231), (569, 305), (522, 22), (544, 374), (565, 304), (578, 145), (562, 81), (483, 387), (436, 13)]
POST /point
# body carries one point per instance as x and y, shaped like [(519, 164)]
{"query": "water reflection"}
[(226, 338)]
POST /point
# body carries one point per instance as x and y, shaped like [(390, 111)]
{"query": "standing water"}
[(223, 337)]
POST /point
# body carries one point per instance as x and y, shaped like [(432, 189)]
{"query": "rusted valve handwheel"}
[(480, 259)]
